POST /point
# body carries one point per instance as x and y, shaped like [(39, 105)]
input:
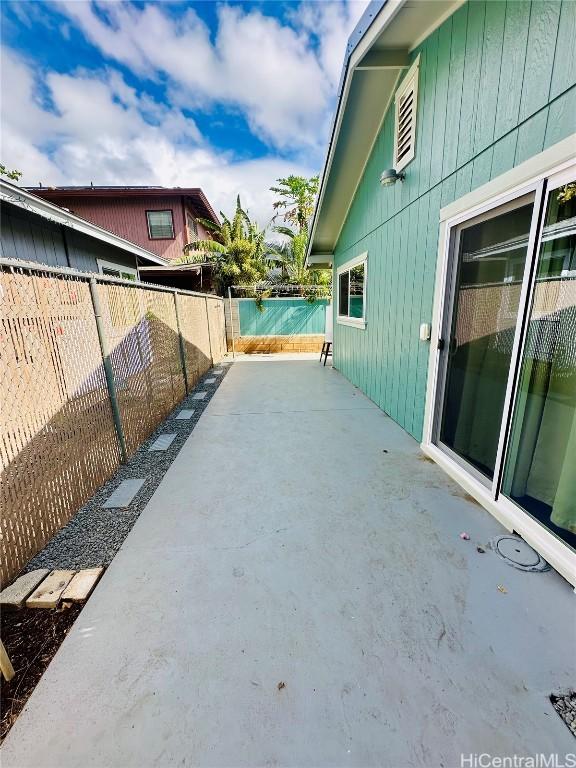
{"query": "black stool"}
[(326, 351)]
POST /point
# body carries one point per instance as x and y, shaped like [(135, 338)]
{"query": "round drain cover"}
[(519, 554)]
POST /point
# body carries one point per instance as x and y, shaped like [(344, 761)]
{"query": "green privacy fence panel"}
[(282, 317), (497, 85)]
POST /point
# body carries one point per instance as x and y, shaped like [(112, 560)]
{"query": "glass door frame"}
[(499, 208), (549, 184), (549, 170)]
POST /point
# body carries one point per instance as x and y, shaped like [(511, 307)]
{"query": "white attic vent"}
[(405, 128)]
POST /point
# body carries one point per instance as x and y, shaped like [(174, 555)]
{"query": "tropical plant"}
[(291, 255), (566, 193), (238, 252), (13, 175), (297, 197)]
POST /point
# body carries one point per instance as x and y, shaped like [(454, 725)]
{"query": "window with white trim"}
[(160, 225), (405, 120), (351, 292), (116, 270)]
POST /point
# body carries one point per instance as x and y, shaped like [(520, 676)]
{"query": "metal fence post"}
[(181, 344), (108, 368), (209, 334), (231, 322)]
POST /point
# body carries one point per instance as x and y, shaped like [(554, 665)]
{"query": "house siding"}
[(126, 216), (497, 85), (29, 237)]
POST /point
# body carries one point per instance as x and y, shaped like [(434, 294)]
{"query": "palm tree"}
[(292, 257), (239, 253)]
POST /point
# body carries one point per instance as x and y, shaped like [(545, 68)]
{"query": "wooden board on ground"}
[(48, 594), (5, 664), (82, 585), (15, 595)]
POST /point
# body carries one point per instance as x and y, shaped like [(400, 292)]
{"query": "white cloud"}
[(270, 71), (100, 133), (281, 76), (331, 24)]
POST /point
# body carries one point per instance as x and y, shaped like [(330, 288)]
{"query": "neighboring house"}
[(33, 229), (160, 219), (445, 211)]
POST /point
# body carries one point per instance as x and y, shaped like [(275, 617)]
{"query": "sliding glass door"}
[(540, 467), (506, 387), (488, 268)]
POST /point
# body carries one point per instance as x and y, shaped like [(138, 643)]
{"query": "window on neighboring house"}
[(160, 225), (116, 270), (405, 120), (192, 227), (352, 292)]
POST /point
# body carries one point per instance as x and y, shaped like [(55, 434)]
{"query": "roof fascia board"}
[(438, 23), (368, 156), (383, 18), (15, 195), (374, 31)]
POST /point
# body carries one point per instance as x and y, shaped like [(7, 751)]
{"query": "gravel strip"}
[(565, 705), (94, 535)]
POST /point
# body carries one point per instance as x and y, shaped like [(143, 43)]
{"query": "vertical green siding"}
[(282, 317), (497, 85)]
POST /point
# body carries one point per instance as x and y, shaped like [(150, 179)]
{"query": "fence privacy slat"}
[(58, 442)]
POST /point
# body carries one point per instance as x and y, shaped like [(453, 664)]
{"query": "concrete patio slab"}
[(300, 537)]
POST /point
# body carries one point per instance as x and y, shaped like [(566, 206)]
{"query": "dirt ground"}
[(31, 637)]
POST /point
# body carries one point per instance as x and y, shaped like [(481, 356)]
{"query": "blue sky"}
[(226, 96)]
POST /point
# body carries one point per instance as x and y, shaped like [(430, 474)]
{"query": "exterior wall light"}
[(391, 177)]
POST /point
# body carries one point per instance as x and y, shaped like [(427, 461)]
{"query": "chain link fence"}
[(89, 366)]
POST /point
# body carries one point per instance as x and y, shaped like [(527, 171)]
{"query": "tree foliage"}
[(238, 252), (291, 255), (13, 175), (297, 196)]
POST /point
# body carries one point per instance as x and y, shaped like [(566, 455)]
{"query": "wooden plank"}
[(561, 118), (512, 67), (544, 19), (454, 101), (15, 595), (473, 64), (5, 664), (482, 167), (440, 102), (427, 118), (489, 75), (420, 313), (82, 584), (48, 594), (564, 73), (531, 137), (504, 154)]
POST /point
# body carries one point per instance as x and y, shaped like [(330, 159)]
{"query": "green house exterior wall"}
[(497, 85)]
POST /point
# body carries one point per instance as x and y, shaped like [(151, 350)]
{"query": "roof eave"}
[(15, 195), (112, 192), (383, 40)]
